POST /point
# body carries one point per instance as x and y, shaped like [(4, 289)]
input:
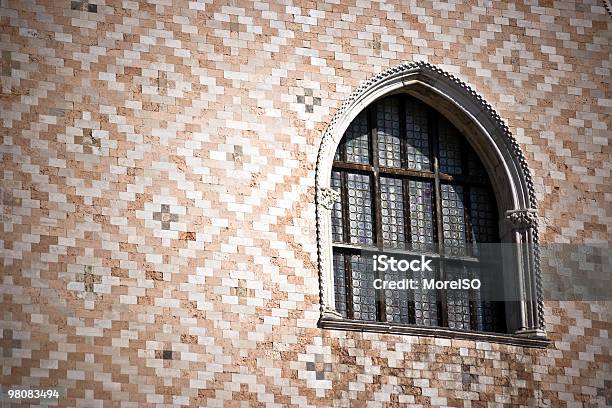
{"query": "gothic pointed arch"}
[(494, 144)]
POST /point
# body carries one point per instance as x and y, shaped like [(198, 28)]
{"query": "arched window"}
[(409, 182), (415, 162)]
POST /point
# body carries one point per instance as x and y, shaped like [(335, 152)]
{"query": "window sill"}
[(442, 332)]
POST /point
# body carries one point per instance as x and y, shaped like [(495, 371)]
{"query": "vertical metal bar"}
[(433, 118), (406, 197), (380, 298), (348, 277), (467, 205), (472, 302), (376, 178), (404, 152), (407, 219), (401, 101), (346, 235)]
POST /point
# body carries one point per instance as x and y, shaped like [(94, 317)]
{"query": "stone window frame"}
[(510, 175)]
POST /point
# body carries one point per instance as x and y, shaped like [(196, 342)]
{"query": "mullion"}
[(404, 162), (469, 238), (376, 181), (407, 220), (348, 277), (405, 191), (346, 232), (467, 206), (406, 196), (372, 126), (433, 125), (401, 101)]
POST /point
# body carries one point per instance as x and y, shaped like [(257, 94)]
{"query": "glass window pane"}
[(425, 300), (475, 168), (396, 300), (449, 147), (458, 301), (417, 132), (360, 209), (340, 284), (482, 215), (357, 141), (336, 213), (392, 203), (364, 294), (337, 156), (489, 314), (388, 126), (421, 215), (453, 220)]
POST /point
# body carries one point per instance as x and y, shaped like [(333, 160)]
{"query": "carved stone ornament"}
[(527, 218), (328, 197)]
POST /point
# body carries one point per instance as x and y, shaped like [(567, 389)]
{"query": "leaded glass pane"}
[(453, 220), (364, 294), (417, 144), (388, 126), (449, 146), (482, 215), (336, 213), (357, 141), (425, 300), (340, 284), (489, 316), (475, 167), (392, 203), (421, 215), (458, 301), (396, 300), (360, 209), (337, 156)]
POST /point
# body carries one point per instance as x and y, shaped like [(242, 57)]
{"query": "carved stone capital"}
[(526, 218), (331, 314), (533, 333), (327, 197)]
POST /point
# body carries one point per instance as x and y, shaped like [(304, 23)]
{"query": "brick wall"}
[(158, 242)]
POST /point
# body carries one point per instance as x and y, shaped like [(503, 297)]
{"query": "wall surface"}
[(158, 243)]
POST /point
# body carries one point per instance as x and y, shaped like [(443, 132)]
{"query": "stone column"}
[(326, 198), (525, 230)]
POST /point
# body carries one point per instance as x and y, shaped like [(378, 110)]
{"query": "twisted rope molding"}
[(429, 70)]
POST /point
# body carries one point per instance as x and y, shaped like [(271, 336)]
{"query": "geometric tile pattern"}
[(158, 245)]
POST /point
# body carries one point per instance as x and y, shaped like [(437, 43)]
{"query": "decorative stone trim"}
[(495, 140), (608, 7), (523, 218), (532, 340), (328, 197)]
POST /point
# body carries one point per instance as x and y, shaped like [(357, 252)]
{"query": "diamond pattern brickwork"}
[(158, 243)]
